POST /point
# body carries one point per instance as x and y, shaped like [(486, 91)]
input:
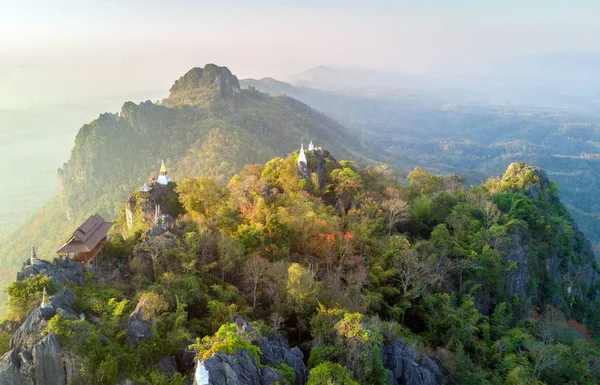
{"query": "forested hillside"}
[(207, 126), (472, 139), (371, 281)]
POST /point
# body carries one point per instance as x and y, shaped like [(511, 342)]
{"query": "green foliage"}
[(287, 372), (4, 342), (27, 293), (329, 373), (228, 340), (324, 267)]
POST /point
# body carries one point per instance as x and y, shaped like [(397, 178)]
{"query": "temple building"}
[(163, 177), (87, 241), (311, 146), (145, 191)]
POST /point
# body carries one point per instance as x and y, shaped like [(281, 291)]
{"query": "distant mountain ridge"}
[(475, 140)]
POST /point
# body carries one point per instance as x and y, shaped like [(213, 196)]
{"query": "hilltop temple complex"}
[(150, 204)]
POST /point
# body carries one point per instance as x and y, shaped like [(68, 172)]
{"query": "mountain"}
[(310, 270), (207, 125), (472, 139)]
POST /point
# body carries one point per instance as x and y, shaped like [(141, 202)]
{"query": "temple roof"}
[(145, 188), (87, 236), (163, 168)]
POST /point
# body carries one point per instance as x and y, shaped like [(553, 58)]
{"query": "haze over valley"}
[(299, 193)]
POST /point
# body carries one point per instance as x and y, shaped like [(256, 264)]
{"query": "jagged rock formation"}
[(35, 359), (314, 167), (569, 265), (139, 326), (205, 86), (242, 368), (60, 270), (407, 367)]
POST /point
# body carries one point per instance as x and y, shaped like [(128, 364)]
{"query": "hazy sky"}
[(60, 51)]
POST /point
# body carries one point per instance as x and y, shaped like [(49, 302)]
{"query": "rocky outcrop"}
[(204, 87), (570, 264), (35, 359), (408, 367), (139, 327), (238, 369), (61, 270), (276, 351), (242, 368), (320, 163)]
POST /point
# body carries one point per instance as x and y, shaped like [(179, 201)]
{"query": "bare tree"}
[(255, 272), (415, 274), (490, 214), (541, 357), (396, 208)]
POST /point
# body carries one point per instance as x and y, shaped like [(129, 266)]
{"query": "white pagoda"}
[(302, 156), (163, 178)]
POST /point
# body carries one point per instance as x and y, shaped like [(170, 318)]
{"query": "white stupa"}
[(163, 178), (302, 156), (311, 146)]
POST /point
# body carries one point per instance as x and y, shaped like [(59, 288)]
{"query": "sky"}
[(64, 51)]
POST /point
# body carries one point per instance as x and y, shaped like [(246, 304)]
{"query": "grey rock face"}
[(47, 358), (138, 327), (62, 271), (407, 367), (276, 351), (34, 359), (241, 369), (271, 377)]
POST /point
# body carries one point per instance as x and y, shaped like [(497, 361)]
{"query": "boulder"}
[(408, 367), (169, 365), (239, 369), (138, 327), (276, 351), (271, 377)]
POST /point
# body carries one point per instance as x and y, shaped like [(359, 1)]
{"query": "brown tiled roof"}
[(87, 236)]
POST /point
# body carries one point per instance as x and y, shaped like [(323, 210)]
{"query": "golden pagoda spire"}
[(163, 168)]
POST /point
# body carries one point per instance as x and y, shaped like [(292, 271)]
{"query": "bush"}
[(4, 342), (329, 373), (26, 294), (227, 340)]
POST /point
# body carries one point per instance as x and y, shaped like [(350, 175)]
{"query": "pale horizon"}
[(68, 51)]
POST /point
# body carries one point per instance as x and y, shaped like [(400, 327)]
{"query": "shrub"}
[(329, 373), (228, 340), (26, 294)]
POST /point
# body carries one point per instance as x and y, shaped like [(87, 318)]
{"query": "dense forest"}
[(489, 284), (207, 126), (473, 139)]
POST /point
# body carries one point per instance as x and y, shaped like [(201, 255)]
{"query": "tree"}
[(152, 304), (329, 373), (424, 182), (395, 207), (201, 197), (414, 274), (301, 283), (255, 271)]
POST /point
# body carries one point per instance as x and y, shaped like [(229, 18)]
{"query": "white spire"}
[(302, 156), (311, 146)]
